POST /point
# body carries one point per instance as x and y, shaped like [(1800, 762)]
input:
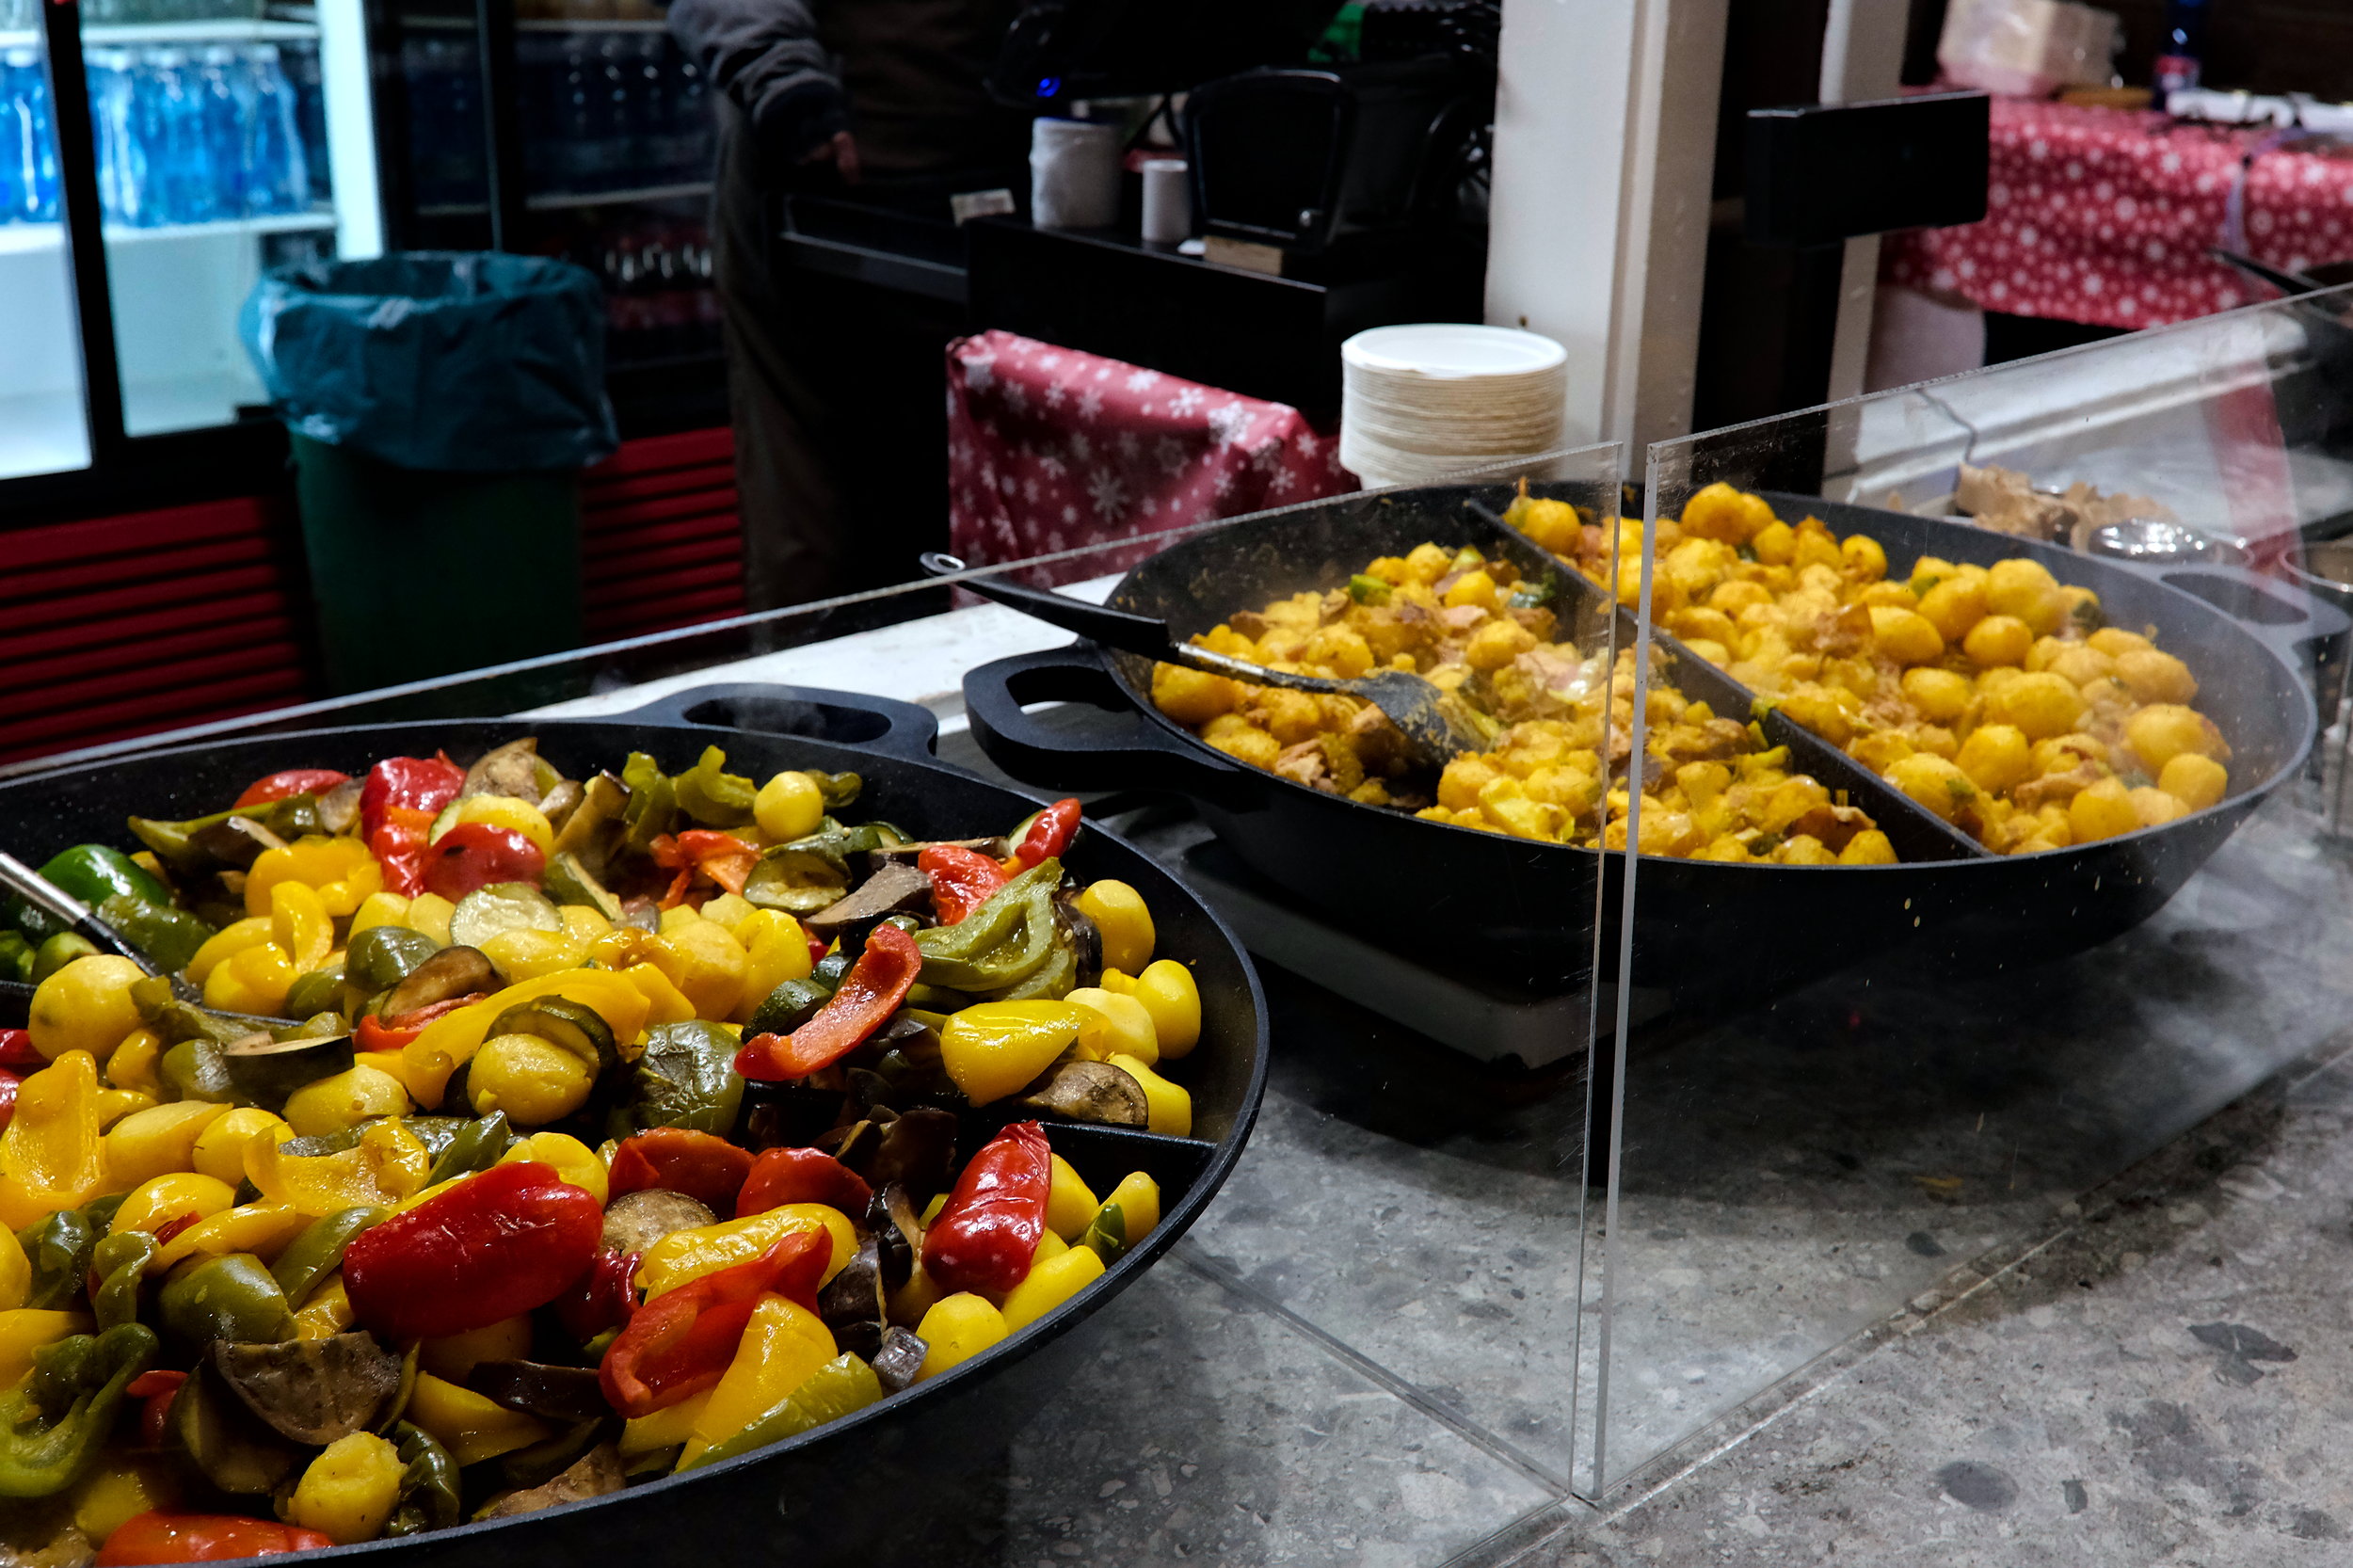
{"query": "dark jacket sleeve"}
[(764, 53)]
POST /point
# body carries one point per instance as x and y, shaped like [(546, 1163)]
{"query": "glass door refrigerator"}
[(154, 156), (571, 128)]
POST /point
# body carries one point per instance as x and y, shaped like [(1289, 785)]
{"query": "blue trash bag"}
[(467, 362)]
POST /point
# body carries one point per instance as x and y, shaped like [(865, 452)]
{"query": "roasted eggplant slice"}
[(894, 888), (541, 1388), (1093, 1092), (312, 1390), (266, 1071), (451, 973)]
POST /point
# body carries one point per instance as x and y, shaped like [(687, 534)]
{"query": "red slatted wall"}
[(660, 543), (123, 626)]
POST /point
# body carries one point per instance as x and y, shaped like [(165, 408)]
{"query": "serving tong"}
[(1438, 725), (54, 901)]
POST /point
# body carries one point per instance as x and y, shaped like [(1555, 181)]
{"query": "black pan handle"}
[(1130, 634), (842, 718), (1109, 750), (2289, 621)]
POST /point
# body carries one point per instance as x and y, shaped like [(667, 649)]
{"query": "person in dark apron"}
[(883, 99)]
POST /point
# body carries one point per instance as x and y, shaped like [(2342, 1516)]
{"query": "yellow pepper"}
[(26, 1330), (115, 1104), (456, 1355), (777, 950), (51, 1157), (379, 909), (176, 1194), (16, 1271), (1070, 1204), (226, 943), (517, 816), (299, 926), (349, 1493), (470, 1427), (327, 1313), (993, 1049), (687, 1255), (665, 1002), (452, 1039), (1050, 1282), (573, 1160), (387, 1165), (253, 979), (1168, 1106), (120, 1486), (341, 871), (134, 1063), (665, 1428), (782, 1345), (220, 1150), (264, 1229)]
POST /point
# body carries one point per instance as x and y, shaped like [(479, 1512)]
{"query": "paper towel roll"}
[(1074, 174), (1168, 202)]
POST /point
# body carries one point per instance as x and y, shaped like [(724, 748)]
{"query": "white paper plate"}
[(1445, 350)]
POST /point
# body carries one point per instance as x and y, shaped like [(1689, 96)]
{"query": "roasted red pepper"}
[(17, 1053), (708, 1169), (678, 1344), (492, 1246), (962, 880), (393, 1033), (802, 1175), (988, 1230), (475, 855), (723, 857), (412, 783), (604, 1296), (874, 989), (154, 1391), (1048, 837), (149, 1538), (294, 781)]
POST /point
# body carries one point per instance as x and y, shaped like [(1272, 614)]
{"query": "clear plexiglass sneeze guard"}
[(1449, 1261), (2110, 788)]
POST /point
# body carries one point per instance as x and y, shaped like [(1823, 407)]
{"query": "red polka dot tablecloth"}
[(2104, 217), (1050, 449)]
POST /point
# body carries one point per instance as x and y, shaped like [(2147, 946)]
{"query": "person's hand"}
[(840, 150)]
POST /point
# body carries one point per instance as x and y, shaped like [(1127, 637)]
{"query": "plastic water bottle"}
[(108, 76), (221, 122), (281, 160), (28, 183), (183, 181)]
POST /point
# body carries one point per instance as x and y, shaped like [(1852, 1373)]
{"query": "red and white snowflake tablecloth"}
[(1050, 449), (2104, 217)]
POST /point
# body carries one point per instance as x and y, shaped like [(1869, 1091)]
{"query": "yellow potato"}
[(2028, 590), (2039, 705), (1941, 696), (1998, 640), (2157, 677), (2160, 733), (2102, 810), (1907, 636), (2196, 781), (1995, 759)]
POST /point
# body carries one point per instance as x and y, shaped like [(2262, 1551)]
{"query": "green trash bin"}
[(441, 406)]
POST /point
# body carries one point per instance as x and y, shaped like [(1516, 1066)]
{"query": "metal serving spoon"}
[(46, 896), (2155, 542), (1438, 725)]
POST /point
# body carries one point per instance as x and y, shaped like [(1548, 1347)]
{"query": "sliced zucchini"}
[(563, 1022), (502, 906), (569, 881)]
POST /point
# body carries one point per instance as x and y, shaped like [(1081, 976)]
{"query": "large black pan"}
[(737, 1512), (1522, 911)]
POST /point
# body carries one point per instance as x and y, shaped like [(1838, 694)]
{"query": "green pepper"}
[(232, 1297), (428, 1487), (1369, 590), (57, 951), (314, 991), (119, 1263), (1049, 982), (687, 1078), (837, 790), (58, 1249), (1530, 596), (713, 796), (196, 1070), (53, 1426), (92, 873), (174, 1020), (833, 1390), (16, 957), (475, 1147), (186, 847), (382, 957), (652, 808), (1001, 943), (169, 936), (318, 1252)]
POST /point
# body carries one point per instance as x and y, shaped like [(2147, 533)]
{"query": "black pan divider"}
[(1103, 1155), (1917, 833)]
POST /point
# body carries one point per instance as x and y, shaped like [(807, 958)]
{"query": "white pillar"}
[(1863, 58), (1597, 231)]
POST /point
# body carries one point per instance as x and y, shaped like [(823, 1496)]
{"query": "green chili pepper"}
[(428, 1487), (1001, 943), (839, 1386), (1107, 1233), (232, 1297), (318, 1252), (837, 790), (184, 846), (92, 873), (120, 1262), (58, 1248), (713, 796), (58, 950), (687, 1079), (652, 808), (53, 1426), (475, 1147), (169, 936), (16, 957)]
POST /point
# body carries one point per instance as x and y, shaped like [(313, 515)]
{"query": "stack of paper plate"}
[(1420, 403)]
